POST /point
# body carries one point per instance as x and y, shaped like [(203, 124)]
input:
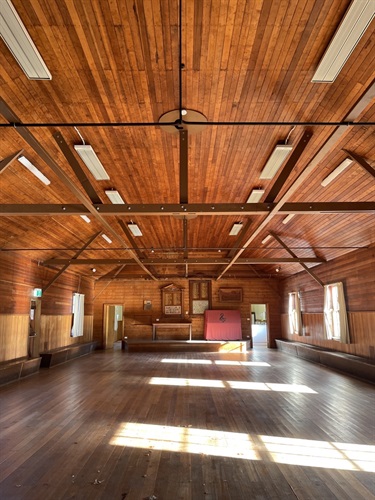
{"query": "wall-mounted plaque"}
[(172, 310), (230, 294), (172, 301)]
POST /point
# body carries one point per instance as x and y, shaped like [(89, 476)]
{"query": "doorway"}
[(259, 328), (33, 346), (112, 324)]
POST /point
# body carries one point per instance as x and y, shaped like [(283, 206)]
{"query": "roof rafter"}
[(10, 210)]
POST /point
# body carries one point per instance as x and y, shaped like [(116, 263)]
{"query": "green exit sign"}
[(37, 292)]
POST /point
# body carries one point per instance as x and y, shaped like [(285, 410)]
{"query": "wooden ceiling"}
[(247, 67)]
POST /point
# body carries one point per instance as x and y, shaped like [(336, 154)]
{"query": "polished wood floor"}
[(116, 425)]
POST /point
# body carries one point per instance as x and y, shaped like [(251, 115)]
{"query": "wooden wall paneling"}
[(361, 327), (357, 271), (138, 323), (55, 331), (362, 336), (18, 277), (14, 332)]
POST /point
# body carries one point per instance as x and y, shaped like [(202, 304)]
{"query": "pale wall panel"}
[(55, 331), (361, 327), (14, 333)]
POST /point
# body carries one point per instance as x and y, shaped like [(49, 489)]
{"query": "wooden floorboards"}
[(116, 425)]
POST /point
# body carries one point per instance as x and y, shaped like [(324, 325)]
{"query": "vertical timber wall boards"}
[(138, 321), (357, 271), (18, 277)]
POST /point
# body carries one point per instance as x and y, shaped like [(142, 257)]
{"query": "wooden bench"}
[(63, 354), (11, 371), (356, 366)]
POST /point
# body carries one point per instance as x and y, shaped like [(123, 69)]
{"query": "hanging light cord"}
[(287, 138), (79, 133)]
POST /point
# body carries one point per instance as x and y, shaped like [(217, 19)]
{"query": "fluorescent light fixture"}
[(114, 196), (288, 218), (19, 42), (135, 229), (275, 161), (236, 228), (336, 172), (266, 239), (91, 161), (26, 163), (85, 218), (255, 195), (106, 238), (357, 19)]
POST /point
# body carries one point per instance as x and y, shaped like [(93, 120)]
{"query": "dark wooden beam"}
[(361, 161), (184, 195), (129, 235), (77, 169), (9, 160), (345, 207), (191, 261), (333, 139), (185, 244), (68, 263), (109, 279), (64, 178), (311, 208), (133, 243), (292, 160), (295, 256)]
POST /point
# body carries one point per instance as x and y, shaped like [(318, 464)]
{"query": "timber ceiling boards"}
[(246, 67)]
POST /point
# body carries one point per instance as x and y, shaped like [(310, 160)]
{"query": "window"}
[(294, 310), (335, 317), (200, 296), (77, 315)]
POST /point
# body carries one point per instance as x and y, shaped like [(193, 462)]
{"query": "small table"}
[(170, 325)]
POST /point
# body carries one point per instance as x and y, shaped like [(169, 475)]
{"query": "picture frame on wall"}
[(230, 294)]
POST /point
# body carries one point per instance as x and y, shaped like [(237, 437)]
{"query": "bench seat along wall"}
[(18, 277), (357, 271), (138, 322)]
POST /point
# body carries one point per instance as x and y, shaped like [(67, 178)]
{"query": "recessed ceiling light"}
[(20, 44), (288, 218), (91, 161), (135, 229), (26, 163), (266, 239), (114, 196), (236, 228), (357, 19), (106, 238), (277, 158), (336, 172), (255, 195), (85, 218)]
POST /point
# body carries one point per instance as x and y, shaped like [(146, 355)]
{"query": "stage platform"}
[(186, 346)]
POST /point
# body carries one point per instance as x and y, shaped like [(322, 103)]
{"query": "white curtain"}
[(335, 317), (295, 316), (78, 314)]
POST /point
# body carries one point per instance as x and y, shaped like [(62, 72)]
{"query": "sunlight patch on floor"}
[(189, 361), (185, 439), (235, 384), (241, 363), (283, 450)]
